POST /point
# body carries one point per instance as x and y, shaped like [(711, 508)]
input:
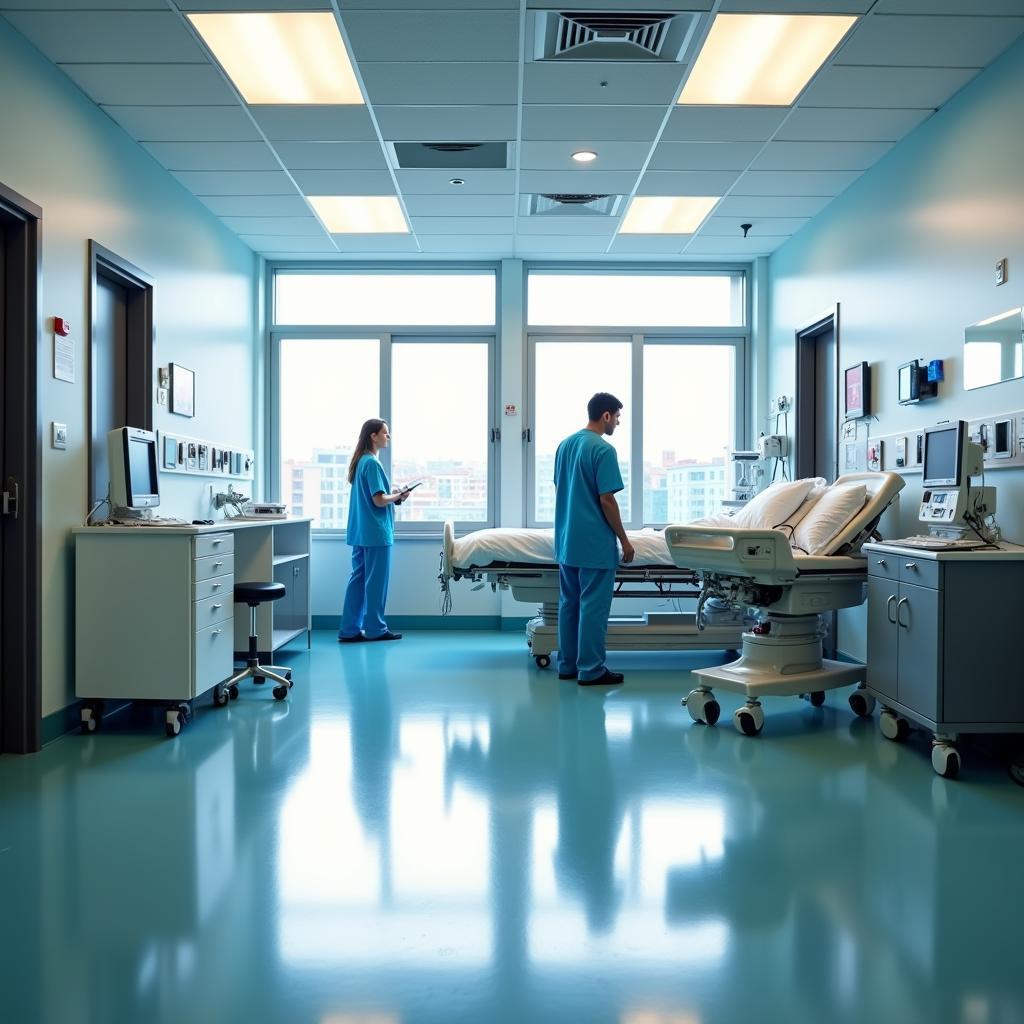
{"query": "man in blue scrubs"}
[(587, 522)]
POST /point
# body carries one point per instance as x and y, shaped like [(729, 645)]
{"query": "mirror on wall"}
[(993, 350)]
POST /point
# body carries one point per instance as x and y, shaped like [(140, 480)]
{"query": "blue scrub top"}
[(586, 467), (368, 525)]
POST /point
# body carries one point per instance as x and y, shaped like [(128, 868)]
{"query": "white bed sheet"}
[(537, 547)]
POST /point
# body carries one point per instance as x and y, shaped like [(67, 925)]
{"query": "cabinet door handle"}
[(899, 622), (888, 609)]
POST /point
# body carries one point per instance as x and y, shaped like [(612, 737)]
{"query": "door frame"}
[(21, 651), (803, 430), (138, 342)]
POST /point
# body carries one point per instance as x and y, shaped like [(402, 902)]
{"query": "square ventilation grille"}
[(611, 35), (568, 204), (451, 155)]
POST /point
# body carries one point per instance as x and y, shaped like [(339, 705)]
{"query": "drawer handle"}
[(216, 542), (216, 606), (217, 586), (899, 622), (910, 565), (216, 632), (217, 565), (883, 563), (888, 609)]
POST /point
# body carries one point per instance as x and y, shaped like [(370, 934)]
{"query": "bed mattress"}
[(537, 547)]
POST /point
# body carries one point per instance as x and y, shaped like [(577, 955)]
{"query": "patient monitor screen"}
[(141, 467), (941, 451)]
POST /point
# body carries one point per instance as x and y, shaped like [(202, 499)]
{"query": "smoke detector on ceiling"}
[(611, 35)]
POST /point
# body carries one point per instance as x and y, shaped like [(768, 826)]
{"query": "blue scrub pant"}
[(584, 603), (367, 592)]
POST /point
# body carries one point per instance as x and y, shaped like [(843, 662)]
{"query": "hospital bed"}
[(523, 562), (758, 568)]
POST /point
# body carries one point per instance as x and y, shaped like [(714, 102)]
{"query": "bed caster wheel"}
[(892, 727), (817, 698), (91, 716), (862, 704), (702, 706), (173, 723), (945, 761), (749, 720), (220, 696), (233, 691), (543, 661), (280, 692)]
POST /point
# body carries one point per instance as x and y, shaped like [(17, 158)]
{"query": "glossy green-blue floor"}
[(436, 831)]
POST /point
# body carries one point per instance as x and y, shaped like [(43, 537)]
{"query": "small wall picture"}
[(857, 391), (183, 390)]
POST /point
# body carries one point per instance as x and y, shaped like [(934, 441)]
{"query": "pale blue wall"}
[(909, 253), (92, 181)]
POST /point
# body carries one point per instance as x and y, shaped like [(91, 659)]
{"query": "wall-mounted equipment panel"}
[(198, 457)]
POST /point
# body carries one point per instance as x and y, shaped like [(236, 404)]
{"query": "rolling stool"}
[(255, 594)]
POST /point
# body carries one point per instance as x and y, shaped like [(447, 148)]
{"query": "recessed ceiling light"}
[(762, 59), (456, 181), (361, 215), (286, 57), (584, 156), (666, 215)]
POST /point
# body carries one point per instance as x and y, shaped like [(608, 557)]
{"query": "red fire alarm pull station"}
[(61, 326)]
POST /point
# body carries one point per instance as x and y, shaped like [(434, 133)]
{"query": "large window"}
[(434, 387)]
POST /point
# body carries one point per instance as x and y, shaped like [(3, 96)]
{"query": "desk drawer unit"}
[(922, 572), (213, 565), (214, 610), (213, 655), (214, 544), (215, 586)]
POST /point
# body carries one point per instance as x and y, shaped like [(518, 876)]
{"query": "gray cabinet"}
[(940, 651)]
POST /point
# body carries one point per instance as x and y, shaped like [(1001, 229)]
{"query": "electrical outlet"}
[(59, 435)]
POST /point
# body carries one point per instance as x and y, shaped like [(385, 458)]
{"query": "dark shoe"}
[(384, 636), (567, 675), (608, 679), (357, 639)]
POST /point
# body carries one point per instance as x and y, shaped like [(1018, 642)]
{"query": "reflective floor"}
[(436, 831)]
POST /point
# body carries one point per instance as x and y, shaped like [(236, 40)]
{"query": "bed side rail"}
[(761, 555)]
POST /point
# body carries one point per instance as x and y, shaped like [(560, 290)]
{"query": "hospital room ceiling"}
[(470, 72)]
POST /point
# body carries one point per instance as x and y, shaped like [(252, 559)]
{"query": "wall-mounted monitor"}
[(857, 391), (913, 383)]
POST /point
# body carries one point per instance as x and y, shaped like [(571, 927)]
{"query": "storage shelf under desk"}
[(284, 559)]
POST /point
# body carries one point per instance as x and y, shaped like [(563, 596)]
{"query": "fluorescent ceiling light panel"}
[(762, 60), (361, 215), (288, 57), (666, 215)]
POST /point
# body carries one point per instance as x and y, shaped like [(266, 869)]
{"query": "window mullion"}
[(636, 469), (385, 394)]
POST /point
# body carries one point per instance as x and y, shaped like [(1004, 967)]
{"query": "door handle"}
[(10, 498), (888, 609), (899, 622)]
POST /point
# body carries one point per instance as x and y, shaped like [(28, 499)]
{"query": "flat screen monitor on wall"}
[(133, 468)]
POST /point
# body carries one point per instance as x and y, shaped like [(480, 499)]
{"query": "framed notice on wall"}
[(857, 391), (183, 390)]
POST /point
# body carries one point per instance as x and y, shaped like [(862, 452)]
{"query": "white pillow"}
[(816, 493), (830, 514), (774, 505)]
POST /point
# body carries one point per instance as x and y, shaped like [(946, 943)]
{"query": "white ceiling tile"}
[(947, 7), (185, 124), (557, 156), (257, 206), (722, 124), (416, 83), (604, 182), (289, 243), (332, 156), (795, 6), (241, 183), (83, 5), (752, 207), (136, 84), (794, 183), (654, 244), (295, 226), (459, 205), (687, 183), (760, 245), (410, 35), (703, 156), (813, 156), (476, 182), (214, 156), (447, 124), (730, 227), (549, 224), (100, 37), (376, 243), (462, 225), (579, 82), (961, 42), (344, 183), (444, 5), (498, 245), (839, 124), (550, 244), (625, 124), (885, 87), (329, 123)]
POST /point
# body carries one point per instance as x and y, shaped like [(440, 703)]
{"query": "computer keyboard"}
[(928, 543), (146, 522)]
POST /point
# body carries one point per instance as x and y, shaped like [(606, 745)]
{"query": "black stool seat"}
[(256, 593)]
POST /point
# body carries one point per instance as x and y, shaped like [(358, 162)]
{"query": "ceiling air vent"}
[(569, 204), (451, 155), (611, 35)]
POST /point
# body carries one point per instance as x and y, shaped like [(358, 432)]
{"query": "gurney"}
[(523, 561)]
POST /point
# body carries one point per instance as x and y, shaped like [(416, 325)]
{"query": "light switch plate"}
[(1002, 271), (59, 435)]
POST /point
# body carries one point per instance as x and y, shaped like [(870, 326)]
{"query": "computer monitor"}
[(134, 483), (944, 454)]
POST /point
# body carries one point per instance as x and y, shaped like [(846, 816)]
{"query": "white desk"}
[(155, 617)]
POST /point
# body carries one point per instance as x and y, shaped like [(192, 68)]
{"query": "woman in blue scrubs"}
[(371, 534)]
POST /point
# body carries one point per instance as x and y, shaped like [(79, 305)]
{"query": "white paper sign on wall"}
[(511, 409)]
